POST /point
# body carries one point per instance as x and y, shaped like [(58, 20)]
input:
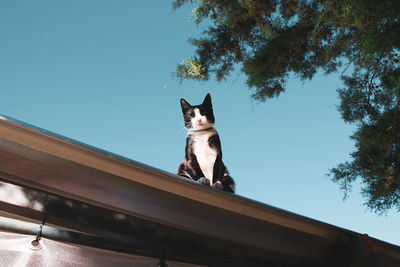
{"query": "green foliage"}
[(190, 68), (270, 39), (376, 160)]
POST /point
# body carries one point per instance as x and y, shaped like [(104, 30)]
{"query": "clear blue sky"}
[(100, 72)]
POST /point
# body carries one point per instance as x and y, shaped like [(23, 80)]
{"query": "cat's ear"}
[(207, 100), (185, 105)]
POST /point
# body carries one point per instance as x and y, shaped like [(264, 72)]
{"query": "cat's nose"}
[(199, 120)]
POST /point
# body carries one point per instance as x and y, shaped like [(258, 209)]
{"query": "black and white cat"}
[(203, 154)]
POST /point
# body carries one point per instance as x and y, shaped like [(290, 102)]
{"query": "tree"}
[(271, 39)]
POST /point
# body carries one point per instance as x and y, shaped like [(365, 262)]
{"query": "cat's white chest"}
[(204, 153)]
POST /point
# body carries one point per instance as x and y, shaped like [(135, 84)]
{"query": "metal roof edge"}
[(58, 145)]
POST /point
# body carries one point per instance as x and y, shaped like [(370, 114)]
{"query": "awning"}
[(110, 202)]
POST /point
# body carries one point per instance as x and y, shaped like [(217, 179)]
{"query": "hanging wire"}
[(162, 262), (36, 243)]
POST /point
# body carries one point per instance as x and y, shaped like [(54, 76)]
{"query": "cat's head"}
[(198, 117)]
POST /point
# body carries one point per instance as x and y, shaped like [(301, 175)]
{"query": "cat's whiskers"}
[(186, 130)]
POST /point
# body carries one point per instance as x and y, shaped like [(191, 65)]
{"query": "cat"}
[(203, 154)]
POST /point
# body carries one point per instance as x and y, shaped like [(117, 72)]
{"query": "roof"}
[(116, 203)]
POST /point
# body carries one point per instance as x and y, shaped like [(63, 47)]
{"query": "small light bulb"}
[(36, 244)]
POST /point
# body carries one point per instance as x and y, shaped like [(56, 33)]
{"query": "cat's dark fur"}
[(203, 154)]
